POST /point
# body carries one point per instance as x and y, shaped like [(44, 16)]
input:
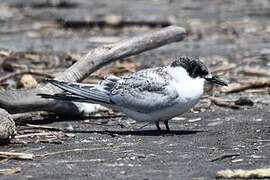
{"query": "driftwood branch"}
[(27, 100), (15, 155)]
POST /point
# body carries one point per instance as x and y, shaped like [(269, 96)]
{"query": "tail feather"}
[(64, 97), (80, 92)]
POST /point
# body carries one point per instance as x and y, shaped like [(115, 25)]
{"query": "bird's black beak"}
[(216, 80)]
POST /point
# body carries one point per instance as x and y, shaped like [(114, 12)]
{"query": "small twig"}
[(255, 72), (223, 156), (256, 81), (248, 84), (4, 160), (14, 155), (10, 171), (33, 72), (244, 174), (45, 127), (78, 150), (34, 134), (259, 91), (223, 102)]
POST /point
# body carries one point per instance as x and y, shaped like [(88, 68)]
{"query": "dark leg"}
[(167, 125), (158, 127)]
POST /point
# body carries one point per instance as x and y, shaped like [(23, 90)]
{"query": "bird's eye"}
[(205, 72)]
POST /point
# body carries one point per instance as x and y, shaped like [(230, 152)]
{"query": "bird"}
[(150, 95)]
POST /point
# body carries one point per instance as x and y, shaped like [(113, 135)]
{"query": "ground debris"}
[(230, 103), (247, 84), (224, 155), (10, 171), (224, 68), (15, 155), (244, 174), (224, 102), (38, 136), (118, 68), (255, 72), (29, 72), (243, 101), (45, 127)]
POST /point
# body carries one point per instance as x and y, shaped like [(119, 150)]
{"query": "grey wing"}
[(145, 93)]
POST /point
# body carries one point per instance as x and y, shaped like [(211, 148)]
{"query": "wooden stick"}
[(45, 127), (10, 171), (35, 134), (255, 72), (223, 102), (224, 155), (14, 155), (245, 85)]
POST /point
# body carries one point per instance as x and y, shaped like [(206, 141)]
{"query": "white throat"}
[(186, 85)]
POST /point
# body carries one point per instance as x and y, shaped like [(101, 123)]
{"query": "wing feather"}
[(145, 91), (83, 91)]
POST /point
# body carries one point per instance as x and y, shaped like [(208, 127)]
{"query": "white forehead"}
[(209, 75)]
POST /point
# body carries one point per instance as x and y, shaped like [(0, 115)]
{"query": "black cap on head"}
[(194, 67)]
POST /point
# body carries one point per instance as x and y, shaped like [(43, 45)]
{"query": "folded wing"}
[(145, 91)]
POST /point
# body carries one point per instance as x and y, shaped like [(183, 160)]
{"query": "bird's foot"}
[(167, 125), (158, 127), (166, 132)]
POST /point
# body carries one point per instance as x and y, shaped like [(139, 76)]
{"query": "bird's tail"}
[(79, 92)]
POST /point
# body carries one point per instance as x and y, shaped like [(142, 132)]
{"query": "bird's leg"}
[(158, 127), (167, 125)]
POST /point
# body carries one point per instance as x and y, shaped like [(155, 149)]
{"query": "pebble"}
[(28, 81)]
